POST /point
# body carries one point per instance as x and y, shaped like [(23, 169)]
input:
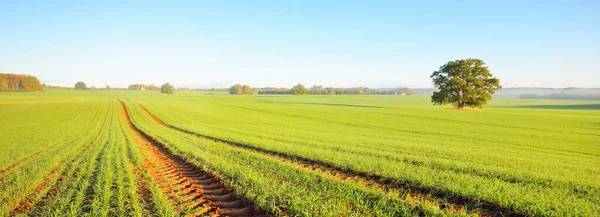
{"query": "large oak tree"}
[(299, 89), (463, 83), (239, 89), (80, 86), (167, 88)]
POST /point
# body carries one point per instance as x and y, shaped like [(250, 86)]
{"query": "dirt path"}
[(185, 183)]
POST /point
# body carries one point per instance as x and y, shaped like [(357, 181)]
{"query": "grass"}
[(544, 156), (73, 152)]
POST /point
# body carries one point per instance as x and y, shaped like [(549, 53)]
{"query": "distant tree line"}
[(56, 87), (320, 90), (239, 89), (83, 86), (221, 89), (569, 96), (274, 90), (142, 87), (217, 89), (165, 88), (14, 82)]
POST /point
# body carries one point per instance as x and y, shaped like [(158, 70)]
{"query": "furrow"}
[(203, 193)]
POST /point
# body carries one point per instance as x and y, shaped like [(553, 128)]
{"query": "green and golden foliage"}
[(407, 91), (13, 82), (167, 88), (142, 87), (239, 89), (236, 89), (299, 89), (247, 90), (80, 86), (463, 83)]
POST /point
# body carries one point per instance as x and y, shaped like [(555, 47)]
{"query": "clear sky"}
[(281, 43)]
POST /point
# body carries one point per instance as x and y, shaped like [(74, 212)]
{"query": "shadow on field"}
[(327, 104), (568, 107)]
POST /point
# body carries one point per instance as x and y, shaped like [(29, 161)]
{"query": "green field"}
[(140, 153)]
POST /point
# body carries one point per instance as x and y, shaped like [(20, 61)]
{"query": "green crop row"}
[(25, 182), (75, 154), (283, 187), (97, 171), (458, 153)]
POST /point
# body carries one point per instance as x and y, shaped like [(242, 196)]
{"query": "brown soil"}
[(185, 183), (143, 190)]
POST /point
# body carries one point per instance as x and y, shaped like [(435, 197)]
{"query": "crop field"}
[(140, 153)]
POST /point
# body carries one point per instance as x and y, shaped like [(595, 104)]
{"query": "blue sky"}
[(281, 43)]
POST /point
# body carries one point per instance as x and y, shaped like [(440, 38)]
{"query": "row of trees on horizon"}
[(300, 89), (13, 82), (165, 88), (462, 83)]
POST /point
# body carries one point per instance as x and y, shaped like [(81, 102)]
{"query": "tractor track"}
[(445, 199), (201, 192)]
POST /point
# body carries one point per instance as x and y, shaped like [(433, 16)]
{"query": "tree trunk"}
[(461, 105)]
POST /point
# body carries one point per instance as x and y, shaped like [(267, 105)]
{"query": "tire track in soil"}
[(446, 200), (203, 193), (143, 190)]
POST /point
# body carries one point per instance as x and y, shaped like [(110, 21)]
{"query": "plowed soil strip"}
[(446, 199), (199, 189)]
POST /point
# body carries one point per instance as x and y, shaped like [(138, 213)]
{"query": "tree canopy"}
[(236, 89), (299, 89), (239, 89), (167, 88), (80, 86), (13, 82), (320, 90), (142, 87), (247, 89), (407, 91), (466, 82)]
